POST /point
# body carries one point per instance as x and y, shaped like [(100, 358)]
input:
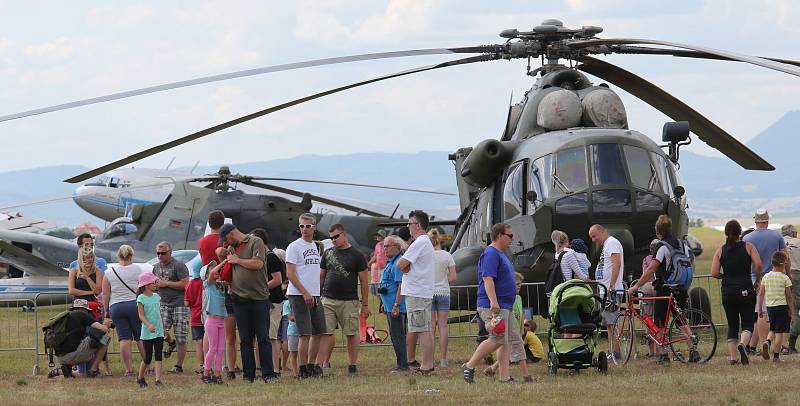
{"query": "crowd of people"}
[(286, 305)]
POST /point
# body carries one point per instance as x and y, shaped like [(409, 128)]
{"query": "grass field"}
[(639, 381)]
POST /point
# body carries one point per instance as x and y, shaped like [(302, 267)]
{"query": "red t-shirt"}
[(194, 296), (207, 245)]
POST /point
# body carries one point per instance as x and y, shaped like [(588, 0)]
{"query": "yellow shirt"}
[(775, 284), (533, 344)]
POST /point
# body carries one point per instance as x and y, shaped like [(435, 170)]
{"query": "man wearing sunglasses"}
[(302, 268), (173, 277), (342, 270)]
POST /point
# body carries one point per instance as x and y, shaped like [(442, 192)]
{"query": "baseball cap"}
[(381, 233), (761, 216), (82, 303), (224, 230), (146, 278), (788, 230)]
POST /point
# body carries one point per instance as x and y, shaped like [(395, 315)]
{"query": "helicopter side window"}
[(514, 191), (541, 178), (642, 170), (570, 174), (114, 182), (607, 168), (661, 171)]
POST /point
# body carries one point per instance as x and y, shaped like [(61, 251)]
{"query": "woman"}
[(444, 274), (119, 300), (738, 291), (570, 267), (86, 280)]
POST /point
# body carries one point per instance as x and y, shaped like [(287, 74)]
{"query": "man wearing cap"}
[(173, 277), (77, 347), (767, 242), (250, 295), (793, 249)]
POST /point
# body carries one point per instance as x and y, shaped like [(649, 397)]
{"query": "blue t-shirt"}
[(390, 277), (494, 263), (767, 242), (100, 262), (291, 330), (215, 300), (152, 312)]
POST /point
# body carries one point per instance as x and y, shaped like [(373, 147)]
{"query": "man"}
[(83, 239), (209, 243), (173, 277), (342, 269), (417, 266), (302, 268), (77, 348), (793, 249), (609, 272), (496, 293), (767, 242), (276, 274), (250, 300), (393, 304)]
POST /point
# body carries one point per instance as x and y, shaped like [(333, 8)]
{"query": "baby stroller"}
[(575, 326)]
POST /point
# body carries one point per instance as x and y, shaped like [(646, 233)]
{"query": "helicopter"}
[(566, 158)]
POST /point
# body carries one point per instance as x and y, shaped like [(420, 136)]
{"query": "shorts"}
[(283, 330), (778, 319), (517, 347), (441, 303), (125, 316), (84, 353), (228, 305), (512, 334), (294, 343), (610, 317), (153, 348), (275, 315), (198, 332), (310, 321), (177, 317), (343, 313), (418, 310)]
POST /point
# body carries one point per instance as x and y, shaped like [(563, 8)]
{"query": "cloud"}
[(60, 48), (120, 16)]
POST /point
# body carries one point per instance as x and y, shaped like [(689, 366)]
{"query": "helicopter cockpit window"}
[(514, 192), (119, 228), (607, 168), (662, 168), (541, 178), (114, 182), (643, 172), (570, 174)]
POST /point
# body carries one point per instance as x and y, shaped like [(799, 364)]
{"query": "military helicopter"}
[(566, 158)]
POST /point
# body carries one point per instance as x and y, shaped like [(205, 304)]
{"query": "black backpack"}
[(554, 276), (55, 333)]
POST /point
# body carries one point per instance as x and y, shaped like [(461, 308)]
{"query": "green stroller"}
[(575, 326)]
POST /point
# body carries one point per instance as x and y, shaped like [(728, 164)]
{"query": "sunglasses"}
[(334, 237), (162, 253), (306, 225)]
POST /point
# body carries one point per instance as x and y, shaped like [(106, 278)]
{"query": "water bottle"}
[(651, 326)]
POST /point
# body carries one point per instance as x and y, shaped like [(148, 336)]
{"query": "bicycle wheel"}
[(625, 335), (701, 344)]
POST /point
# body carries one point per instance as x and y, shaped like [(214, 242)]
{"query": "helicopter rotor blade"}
[(324, 200), (733, 56), (684, 53), (704, 128), (250, 72), (353, 184), (202, 133)]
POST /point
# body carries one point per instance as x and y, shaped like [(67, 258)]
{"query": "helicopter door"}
[(515, 210)]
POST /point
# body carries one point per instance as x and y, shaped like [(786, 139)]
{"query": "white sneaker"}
[(443, 363)]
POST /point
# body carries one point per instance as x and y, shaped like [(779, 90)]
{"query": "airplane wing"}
[(30, 264)]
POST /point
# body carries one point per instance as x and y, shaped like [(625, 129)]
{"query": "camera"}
[(382, 291)]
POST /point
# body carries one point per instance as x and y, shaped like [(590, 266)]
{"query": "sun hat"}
[(146, 278)]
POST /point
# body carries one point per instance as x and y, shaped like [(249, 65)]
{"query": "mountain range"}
[(716, 187)]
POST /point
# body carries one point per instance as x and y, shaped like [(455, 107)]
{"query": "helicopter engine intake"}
[(487, 161)]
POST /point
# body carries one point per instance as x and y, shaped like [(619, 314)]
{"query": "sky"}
[(55, 52)]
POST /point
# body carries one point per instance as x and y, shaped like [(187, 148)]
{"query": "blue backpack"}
[(680, 268)]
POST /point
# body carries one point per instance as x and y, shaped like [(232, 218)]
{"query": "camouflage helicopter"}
[(566, 158)]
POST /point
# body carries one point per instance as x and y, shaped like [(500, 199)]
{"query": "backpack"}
[(554, 275), (679, 269), (55, 333)]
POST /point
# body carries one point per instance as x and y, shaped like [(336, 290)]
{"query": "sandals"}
[(177, 369), (170, 348)]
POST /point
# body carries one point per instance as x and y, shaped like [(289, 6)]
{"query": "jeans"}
[(397, 331), (252, 320)]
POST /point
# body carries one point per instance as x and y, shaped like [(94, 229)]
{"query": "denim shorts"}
[(440, 303), (284, 329), (198, 332), (125, 316)]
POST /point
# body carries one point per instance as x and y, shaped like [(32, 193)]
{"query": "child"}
[(215, 324), (149, 305), (776, 290), (193, 299), (534, 351), (517, 347), (293, 337)]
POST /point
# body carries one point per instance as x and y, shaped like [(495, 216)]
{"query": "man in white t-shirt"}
[(302, 269), (418, 267), (609, 272)]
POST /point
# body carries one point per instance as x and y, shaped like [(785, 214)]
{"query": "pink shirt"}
[(379, 264)]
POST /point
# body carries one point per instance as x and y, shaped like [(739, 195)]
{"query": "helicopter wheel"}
[(699, 300)]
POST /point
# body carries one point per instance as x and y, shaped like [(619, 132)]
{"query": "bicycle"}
[(691, 335)]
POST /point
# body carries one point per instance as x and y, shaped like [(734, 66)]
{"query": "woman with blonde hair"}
[(444, 275), (85, 279), (119, 302)]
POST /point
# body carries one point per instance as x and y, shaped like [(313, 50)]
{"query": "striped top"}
[(775, 284), (571, 268)]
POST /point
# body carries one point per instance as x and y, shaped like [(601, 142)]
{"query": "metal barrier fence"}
[(21, 320)]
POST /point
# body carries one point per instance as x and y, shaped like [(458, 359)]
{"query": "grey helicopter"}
[(566, 158)]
